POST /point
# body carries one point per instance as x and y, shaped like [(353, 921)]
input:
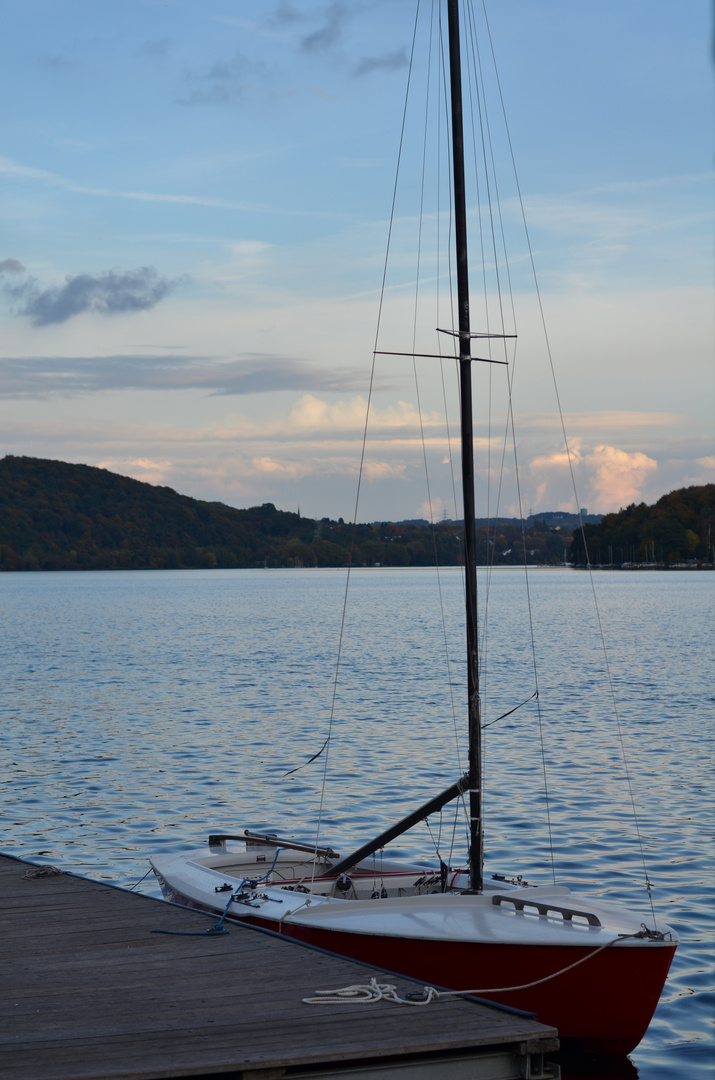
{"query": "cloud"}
[(254, 373), (313, 414), (328, 34), (616, 420), (283, 469), (12, 168), (26, 172), (573, 214), (607, 477), (107, 294), (263, 373), (11, 266), (249, 248), (393, 61), (308, 451), (434, 510), (617, 477), (286, 14), (54, 60), (383, 470), (156, 47), (151, 472), (224, 81)]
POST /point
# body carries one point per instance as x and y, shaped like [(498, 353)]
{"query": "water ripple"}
[(142, 710)]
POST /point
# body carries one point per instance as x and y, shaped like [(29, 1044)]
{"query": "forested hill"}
[(56, 516), (678, 529)]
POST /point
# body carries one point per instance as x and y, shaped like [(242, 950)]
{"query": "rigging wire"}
[(489, 164), (433, 531), (490, 180), (326, 745), (569, 457), (484, 636)]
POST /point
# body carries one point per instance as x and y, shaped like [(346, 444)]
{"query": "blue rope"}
[(218, 928)]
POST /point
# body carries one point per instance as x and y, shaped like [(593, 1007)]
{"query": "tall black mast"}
[(476, 839)]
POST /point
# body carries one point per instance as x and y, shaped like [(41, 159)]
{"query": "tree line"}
[(59, 516), (677, 530)]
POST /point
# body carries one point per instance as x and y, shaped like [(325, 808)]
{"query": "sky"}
[(196, 197)]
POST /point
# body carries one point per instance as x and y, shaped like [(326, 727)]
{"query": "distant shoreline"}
[(646, 567), (512, 568)]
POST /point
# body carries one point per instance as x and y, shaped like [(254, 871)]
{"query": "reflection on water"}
[(595, 1067), (142, 710)]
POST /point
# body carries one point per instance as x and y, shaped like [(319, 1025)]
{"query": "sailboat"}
[(592, 969)]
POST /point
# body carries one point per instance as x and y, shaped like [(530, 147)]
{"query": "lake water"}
[(141, 710)]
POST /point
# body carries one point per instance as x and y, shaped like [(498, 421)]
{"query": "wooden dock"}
[(88, 992)]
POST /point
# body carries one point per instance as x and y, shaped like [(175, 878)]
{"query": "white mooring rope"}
[(367, 993)]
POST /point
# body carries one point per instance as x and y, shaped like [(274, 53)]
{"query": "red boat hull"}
[(603, 1006)]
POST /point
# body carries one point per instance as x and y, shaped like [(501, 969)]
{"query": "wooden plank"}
[(88, 992)]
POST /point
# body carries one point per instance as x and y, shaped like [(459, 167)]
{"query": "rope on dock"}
[(367, 993), (213, 931)]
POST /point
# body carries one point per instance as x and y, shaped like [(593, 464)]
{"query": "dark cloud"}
[(335, 17), (239, 75), (388, 62), (286, 13), (224, 81), (255, 373), (55, 60), (156, 47), (106, 294), (11, 266)]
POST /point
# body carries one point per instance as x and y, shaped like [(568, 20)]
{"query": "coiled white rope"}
[(367, 993)]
